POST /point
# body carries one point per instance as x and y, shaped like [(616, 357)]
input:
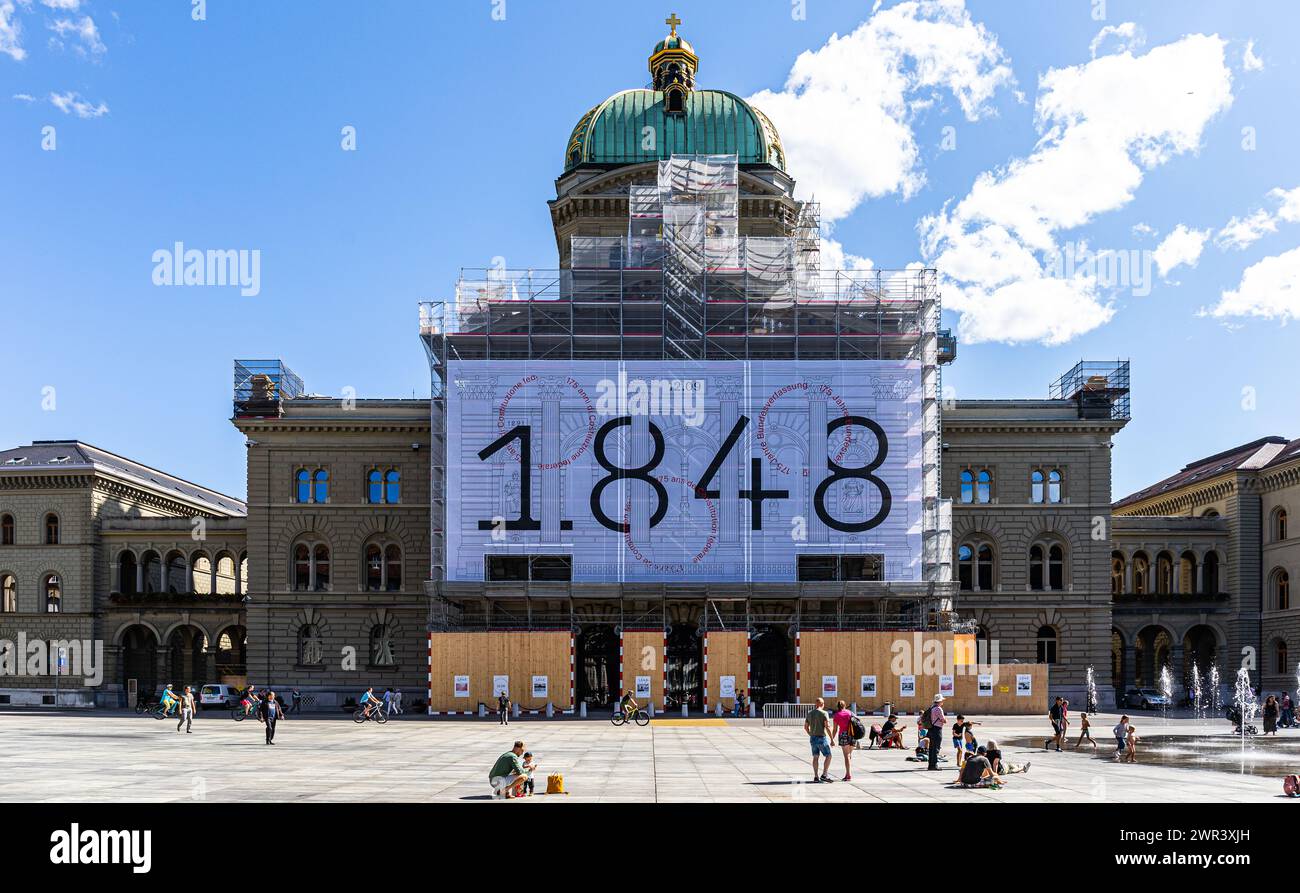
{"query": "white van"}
[(217, 695)]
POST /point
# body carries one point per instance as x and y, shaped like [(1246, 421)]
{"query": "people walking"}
[(935, 735), (1084, 732), (1271, 711), (1055, 713), (397, 701), (269, 713), (187, 710), (843, 720), (817, 725), (295, 701), (1121, 737), (503, 708)]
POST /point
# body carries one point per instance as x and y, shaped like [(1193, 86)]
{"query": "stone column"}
[(139, 576), (1128, 574), (1200, 574)]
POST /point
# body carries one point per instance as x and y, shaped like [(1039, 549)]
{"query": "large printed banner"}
[(666, 471)]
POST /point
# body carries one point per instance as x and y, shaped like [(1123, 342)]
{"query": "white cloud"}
[(72, 103), (1181, 247), (1269, 288), (1103, 124), (1249, 61), (24, 97), (833, 257), (84, 30), (1144, 230), (1241, 232), (1126, 37), (846, 109), (11, 33)]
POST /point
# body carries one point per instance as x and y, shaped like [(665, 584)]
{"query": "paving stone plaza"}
[(121, 757)]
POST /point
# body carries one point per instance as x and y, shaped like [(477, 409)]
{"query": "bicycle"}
[(143, 706), (640, 717), (376, 713), (159, 711), (237, 712)]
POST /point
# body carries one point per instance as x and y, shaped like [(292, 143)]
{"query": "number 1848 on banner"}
[(659, 471)]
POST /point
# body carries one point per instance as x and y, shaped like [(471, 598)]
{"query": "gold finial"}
[(672, 22)]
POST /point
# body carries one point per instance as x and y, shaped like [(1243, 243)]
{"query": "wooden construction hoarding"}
[(484, 656)]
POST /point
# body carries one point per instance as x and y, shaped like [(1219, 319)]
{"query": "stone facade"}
[(1202, 566), (1000, 521), (63, 506), (334, 638)]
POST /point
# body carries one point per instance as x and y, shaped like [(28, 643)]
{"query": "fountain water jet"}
[(1091, 706), (1198, 705), (1215, 703), (1166, 689), (1247, 706)]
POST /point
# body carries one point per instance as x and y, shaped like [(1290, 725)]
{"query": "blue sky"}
[(225, 133)]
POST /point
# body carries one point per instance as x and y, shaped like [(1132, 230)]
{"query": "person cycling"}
[(368, 702), (250, 701), (628, 704), (168, 699)]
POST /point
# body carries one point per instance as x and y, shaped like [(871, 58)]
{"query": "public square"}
[(121, 757)]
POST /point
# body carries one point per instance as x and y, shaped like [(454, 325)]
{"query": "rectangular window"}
[(824, 568), (538, 568)]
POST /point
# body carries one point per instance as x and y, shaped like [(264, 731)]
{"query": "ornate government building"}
[(334, 575)]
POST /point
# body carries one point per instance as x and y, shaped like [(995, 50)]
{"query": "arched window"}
[(975, 567), (321, 567), (301, 567), (1141, 568), (383, 567), (1280, 662), (126, 575), (1047, 640), (53, 594), (1280, 590), (392, 486), (1116, 573), (1164, 573), (1187, 572), (983, 487), (51, 529), (320, 486), (311, 650), (1279, 525), (9, 588), (1036, 486), (6, 530), (302, 485), (375, 486), (1210, 574), (374, 568), (1054, 482), (392, 568), (1046, 567), (967, 486), (384, 486)]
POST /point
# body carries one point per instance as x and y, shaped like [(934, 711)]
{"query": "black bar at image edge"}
[(321, 840)]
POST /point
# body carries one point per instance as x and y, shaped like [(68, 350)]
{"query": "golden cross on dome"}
[(672, 22)]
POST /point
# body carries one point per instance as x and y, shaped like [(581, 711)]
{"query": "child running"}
[(1084, 734)]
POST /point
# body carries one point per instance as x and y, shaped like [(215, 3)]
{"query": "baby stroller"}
[(1234, 717)]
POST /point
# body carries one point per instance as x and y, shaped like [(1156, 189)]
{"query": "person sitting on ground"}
[(891, 733), (508, 774), (628, 704), (977, 772), (1121, 737), (994, 755)]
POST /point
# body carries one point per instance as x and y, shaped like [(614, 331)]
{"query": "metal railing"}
[(784, 714)]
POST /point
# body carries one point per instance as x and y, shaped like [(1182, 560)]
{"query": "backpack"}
[(857, 728)]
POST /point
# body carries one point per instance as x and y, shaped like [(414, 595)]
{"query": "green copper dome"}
[(713, 122)]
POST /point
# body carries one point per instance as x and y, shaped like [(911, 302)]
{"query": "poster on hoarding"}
[(1024, 685), (985, 685), (500, 686), (946, 687), (830, 686), (907, 686), (460, 686), (642, 689), (646, 471), (868, 686), (726, 686), (541, 687)]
